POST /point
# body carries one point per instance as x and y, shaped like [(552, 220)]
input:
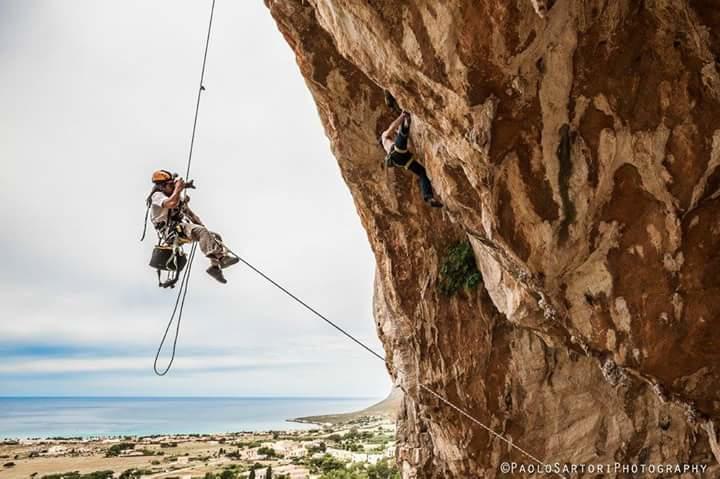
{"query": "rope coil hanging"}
[(182, 292)]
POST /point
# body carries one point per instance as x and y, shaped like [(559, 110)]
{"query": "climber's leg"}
[(423, 180), (209, 242), (425, 186), (228, 259), (211, 245)]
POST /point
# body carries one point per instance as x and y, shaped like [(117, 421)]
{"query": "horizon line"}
[(182, 397)]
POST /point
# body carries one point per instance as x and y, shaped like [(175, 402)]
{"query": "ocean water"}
[(70, 417)]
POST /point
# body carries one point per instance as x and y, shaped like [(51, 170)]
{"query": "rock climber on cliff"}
[(170, 214), (395, 140)]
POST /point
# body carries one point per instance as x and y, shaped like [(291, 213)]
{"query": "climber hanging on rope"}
[(399, 154), (171, 215)]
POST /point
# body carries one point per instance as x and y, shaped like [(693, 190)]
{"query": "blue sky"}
[(96, 94)]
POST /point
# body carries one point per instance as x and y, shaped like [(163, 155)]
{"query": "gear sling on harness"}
[(167, 255)]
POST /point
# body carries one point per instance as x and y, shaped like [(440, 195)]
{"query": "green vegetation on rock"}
[(458, 269)]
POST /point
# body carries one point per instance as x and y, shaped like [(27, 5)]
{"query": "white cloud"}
[(138, 363)]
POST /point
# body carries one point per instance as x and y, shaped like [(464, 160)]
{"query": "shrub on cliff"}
[(458, 269)]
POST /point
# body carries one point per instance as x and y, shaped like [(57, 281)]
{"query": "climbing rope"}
[(201, 88), (473, 419), (179, 301), (182, 292), (310, 308)]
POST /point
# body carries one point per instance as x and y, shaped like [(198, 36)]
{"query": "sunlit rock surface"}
[(576, 145)]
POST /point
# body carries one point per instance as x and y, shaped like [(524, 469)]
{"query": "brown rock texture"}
[(576, 145)]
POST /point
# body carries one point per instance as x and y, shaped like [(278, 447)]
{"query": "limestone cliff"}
[(576, 145)]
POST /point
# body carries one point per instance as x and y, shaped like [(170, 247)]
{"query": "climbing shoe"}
[(216, 273), (227, 261), (434, 203)]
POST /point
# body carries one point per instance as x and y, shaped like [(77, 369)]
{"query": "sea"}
[(41, 417)]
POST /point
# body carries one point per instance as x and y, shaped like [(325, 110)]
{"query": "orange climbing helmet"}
[(162, 176)]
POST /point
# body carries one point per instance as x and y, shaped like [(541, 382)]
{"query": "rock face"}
[(576, 145)]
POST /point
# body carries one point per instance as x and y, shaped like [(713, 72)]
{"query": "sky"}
[(95, 95)]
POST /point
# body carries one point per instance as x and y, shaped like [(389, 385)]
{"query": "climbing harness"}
[(167, 255), (167, 258), (399, 153)]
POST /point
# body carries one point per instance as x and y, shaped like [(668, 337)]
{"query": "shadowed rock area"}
[(575, 145)]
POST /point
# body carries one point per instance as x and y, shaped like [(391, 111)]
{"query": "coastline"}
[(296, 453), (112, 417), (388, 408)]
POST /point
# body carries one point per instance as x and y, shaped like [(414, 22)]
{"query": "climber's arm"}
[(173, 200), (388, 136)]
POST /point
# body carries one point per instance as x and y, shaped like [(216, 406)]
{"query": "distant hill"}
[(388, 407)]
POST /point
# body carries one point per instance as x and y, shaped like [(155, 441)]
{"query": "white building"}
[(341, 454), (56, 451), (288, 448), (252, 455), (375, 458), (296, 452), (361, 457)]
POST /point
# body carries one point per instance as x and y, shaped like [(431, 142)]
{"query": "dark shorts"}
[(401, 159)]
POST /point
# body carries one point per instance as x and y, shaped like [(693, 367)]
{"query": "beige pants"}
[(210, 243)]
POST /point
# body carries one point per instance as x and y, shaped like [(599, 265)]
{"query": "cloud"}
[(140, 363)]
